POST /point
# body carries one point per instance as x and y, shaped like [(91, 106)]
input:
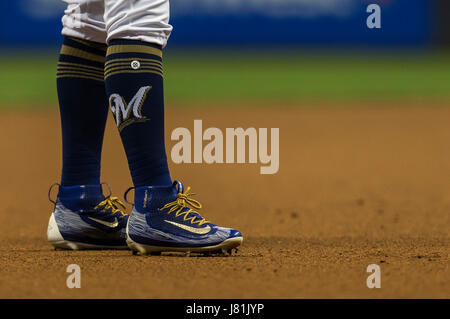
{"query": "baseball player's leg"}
[(83, 217), (161, 219), (81, 91), (137, 31)]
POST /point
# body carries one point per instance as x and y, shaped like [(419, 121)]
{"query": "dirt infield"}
[(356, 186)]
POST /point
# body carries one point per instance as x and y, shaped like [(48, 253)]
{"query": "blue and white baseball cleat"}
[(164, 220), (84, 218)]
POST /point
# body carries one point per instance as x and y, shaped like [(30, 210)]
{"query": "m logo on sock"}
[(126, 114)]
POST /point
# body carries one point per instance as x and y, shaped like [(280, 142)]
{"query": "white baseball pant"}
[(105, 20)]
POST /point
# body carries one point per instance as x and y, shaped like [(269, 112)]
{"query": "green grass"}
[(209, 77)]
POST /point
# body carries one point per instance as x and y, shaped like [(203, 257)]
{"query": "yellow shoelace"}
[(113, 203), (183, 201)]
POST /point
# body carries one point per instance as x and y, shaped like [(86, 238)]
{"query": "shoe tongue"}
[(80, 197), (154, 197)]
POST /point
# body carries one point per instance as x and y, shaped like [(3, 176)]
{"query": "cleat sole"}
[(224, 247)]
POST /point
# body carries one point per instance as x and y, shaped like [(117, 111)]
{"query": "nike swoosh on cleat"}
[(108, 224), (200, 231)]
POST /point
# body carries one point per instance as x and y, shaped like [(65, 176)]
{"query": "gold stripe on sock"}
[(72, 69), (77, 65), (142, 68), (127, 67), (79, 76), (122, 64), (67, 72), (132, 72), (131, 60), (61, 72), (133, 48), (92, 44), (66, 50)]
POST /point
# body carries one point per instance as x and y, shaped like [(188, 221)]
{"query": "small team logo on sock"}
[(135, 65), (126, 114)]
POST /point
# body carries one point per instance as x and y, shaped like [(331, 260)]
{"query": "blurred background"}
[(285, 51)]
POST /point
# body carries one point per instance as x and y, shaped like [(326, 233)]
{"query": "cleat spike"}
[(141, 249), (134, 252)]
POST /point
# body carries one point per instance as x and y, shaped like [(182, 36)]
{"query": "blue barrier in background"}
[(263, 22)]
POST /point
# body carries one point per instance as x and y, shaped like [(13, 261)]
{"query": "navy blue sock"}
[(83, 108), (134, 85)]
